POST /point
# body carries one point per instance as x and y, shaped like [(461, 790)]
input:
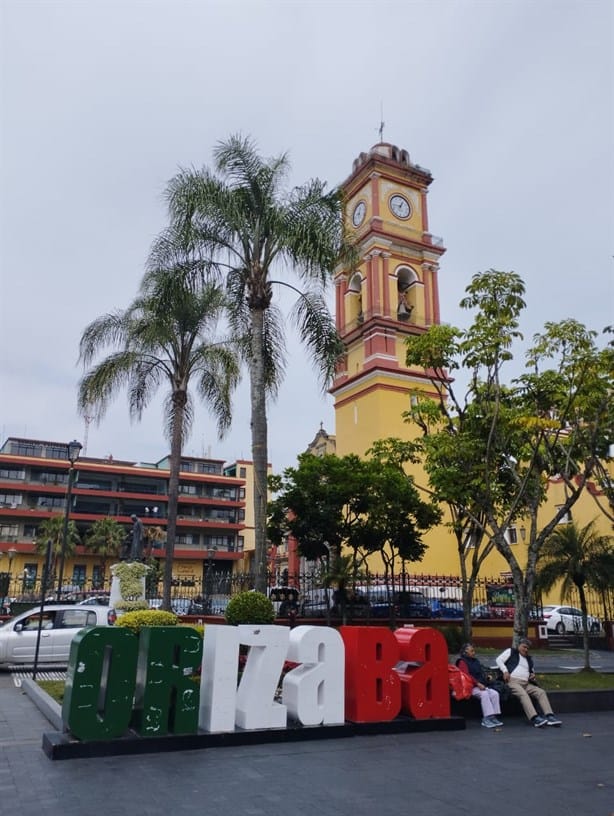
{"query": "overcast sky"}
[(508, 103)]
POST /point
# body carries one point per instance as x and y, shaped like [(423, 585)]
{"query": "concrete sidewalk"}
[(549, 771)]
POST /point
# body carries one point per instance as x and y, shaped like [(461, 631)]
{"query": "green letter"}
[(100, 683), (167, 698)]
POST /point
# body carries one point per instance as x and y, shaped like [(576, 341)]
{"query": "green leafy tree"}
[(492, 453), (105, 538), (343, 509), (580, 558), (52, 530), (164, 336), (249, 227)]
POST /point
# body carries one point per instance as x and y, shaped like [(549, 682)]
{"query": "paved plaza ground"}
[(512, 770)]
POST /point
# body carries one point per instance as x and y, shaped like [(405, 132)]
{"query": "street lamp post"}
[(74, 449)]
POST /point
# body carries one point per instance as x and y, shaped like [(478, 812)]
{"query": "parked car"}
[(446, 609), (95, 599), (409, 603), (60, 623), (482, 611), (317, 602), (562, 619)]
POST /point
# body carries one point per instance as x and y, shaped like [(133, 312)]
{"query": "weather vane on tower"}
[(381, 123)]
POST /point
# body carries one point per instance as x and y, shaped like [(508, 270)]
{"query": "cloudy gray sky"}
[(508, 102)]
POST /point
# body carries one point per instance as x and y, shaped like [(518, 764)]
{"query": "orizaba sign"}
[(118, 681)]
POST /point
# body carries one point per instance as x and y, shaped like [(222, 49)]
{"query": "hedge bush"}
[(146, 617), (250, 607)]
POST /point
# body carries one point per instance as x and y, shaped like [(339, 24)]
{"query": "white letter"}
[(255, 705), (314, 692), (218, 681)]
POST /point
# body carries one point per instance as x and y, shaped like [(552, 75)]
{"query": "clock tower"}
[(391, 293)]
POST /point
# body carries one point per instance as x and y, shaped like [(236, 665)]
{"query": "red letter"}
[(372, 687), (424, 689)]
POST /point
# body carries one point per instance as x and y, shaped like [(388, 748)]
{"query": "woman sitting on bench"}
[(488, 697)]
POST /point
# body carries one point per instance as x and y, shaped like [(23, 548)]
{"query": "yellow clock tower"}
[(390, 294)]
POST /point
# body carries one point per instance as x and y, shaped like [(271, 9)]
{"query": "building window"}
[(12, 473), (241, 544), (243, 473), (10, 499), (30, 572), (241, 492), (9, 530), (512, 535), (78, 575)]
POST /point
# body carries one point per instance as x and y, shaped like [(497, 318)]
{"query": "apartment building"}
[(211, 524)]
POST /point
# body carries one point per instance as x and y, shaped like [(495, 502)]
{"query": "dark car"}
[(409, 603), (446, 609)]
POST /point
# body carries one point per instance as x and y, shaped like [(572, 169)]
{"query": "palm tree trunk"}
[(179, 398), (259, 447)]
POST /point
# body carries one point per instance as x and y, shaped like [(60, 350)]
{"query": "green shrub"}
[(454, 637), (250, 607), (146, 617)]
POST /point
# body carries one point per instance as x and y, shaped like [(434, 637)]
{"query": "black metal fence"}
[(410, 596)]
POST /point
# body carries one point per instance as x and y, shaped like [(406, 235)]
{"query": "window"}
[(12, 473), (243, 473), (241, 515), (241, 492), (78, 574), (97, 581), (30, 571), (9, 530), (188, 489), (26, 449), (76, 619), (10, 499), (51, 501), (512, 535)]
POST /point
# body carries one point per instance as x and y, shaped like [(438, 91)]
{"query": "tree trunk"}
[(173, 494), (259, 448)]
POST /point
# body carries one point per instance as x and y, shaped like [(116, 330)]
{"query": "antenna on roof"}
[(87, 419), (381, 122)]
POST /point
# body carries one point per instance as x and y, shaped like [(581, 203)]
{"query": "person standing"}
[(488, 697), (518, 671)]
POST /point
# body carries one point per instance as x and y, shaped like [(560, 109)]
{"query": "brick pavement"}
[(545, 772)]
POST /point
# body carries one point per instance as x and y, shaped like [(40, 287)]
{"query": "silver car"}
[(58, 626)]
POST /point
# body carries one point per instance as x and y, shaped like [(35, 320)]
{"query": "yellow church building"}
[(393, 293)]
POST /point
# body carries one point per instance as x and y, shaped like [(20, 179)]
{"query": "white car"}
[(562, 619), (59, 624)]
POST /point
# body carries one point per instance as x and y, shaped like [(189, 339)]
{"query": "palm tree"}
[(580, 558), (105, 538), (52, 530), (246, 224), (163, 340)]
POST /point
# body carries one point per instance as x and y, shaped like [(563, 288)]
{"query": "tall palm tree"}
[(163, 340), (247, 225), (105, 538), (581, 559), (52, 529)]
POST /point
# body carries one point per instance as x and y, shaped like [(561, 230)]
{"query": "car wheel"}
[(560, 628)]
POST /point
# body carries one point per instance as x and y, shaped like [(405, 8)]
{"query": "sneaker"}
[(552, 720), (488, 723), (496, 721), (538, 721)]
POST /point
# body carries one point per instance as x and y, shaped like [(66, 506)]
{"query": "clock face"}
[(399, 206), (359, 213)]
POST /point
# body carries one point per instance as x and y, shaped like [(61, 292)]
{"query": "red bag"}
[(461, 685)]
